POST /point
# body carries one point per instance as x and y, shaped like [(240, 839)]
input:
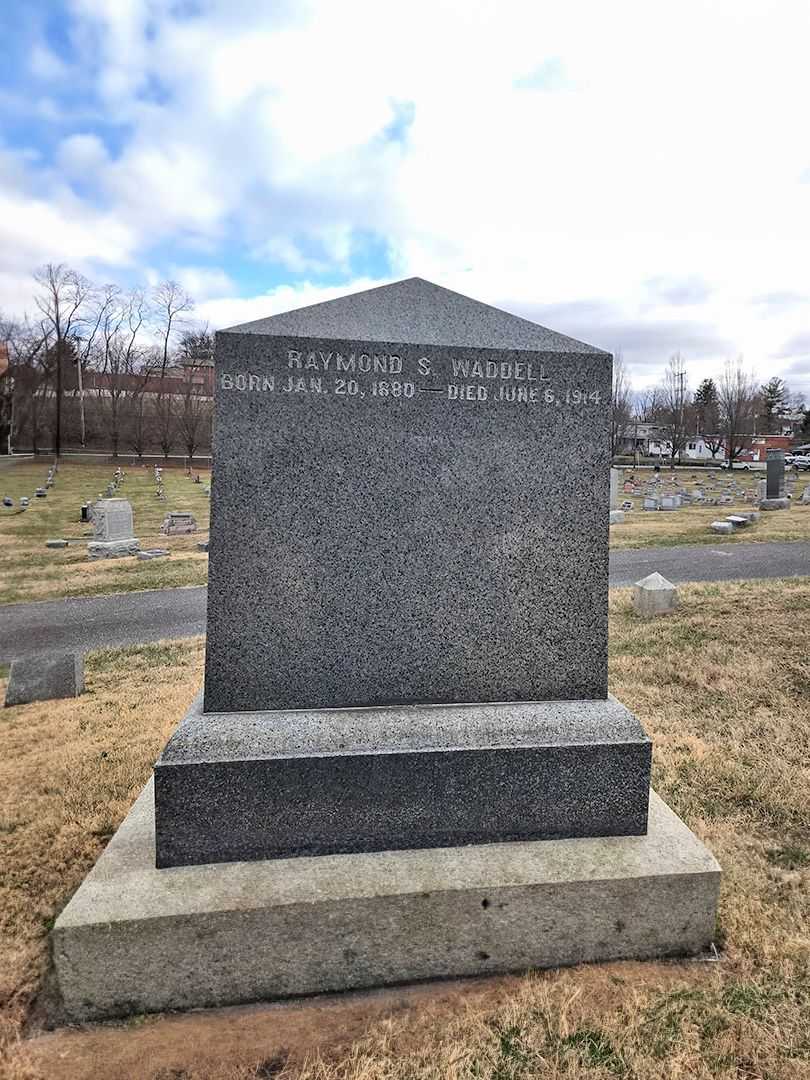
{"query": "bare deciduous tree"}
[(100, 303), (63, 294), (622, 397), (736, 392), (8, 330), (193, 413), (169, 303), (143, 374), (649, 405), (675, 414)]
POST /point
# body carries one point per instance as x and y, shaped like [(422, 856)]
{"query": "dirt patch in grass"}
[(30, 571), (722, 688)]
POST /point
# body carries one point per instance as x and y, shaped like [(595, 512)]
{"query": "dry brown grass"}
[(30, 571), (723, 687), (69, 772)]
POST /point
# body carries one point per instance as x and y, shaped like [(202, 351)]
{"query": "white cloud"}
[(222, 312), (201, 282), (45, 64), (81, 155), (618, 157), (51, 225)]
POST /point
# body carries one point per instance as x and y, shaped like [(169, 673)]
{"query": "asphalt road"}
[(129, 618)]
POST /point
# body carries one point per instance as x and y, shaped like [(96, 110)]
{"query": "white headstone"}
[(654, 595), (112, 519)]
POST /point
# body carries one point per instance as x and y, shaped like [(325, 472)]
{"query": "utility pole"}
[(81, 398), (680, 376)]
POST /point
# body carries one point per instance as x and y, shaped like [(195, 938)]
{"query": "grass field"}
[(30, 571), (722, 688), (691, 524)]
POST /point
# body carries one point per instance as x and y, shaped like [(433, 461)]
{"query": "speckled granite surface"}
[(240, 786), (428, 526), (419, 311)]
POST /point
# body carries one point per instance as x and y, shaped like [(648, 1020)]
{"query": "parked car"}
[(801, 461)]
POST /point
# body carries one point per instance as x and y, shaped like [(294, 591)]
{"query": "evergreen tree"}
[(774, 396), (706, 407)]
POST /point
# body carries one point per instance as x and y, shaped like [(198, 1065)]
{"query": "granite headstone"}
[(775, 475), (178, 523), (421, 567), (776, 498), (113, 527), (409, 507), (411, 511), (45, 677)]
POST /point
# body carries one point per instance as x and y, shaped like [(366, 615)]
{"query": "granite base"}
[(781, 503), (113, 549), (134, 939), (237, 786)]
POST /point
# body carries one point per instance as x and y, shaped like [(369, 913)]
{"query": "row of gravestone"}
[(769, 494), (734, 522), (39, 493), (654, 498)]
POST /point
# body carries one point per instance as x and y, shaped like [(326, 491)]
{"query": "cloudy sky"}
[(636, 174)]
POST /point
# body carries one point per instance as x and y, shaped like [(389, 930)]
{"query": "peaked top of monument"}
[(415, 311)]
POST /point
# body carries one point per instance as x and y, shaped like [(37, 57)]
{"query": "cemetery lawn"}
[(30, 571), (722, 688), (691, 524)]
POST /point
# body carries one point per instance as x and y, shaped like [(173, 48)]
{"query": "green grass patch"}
[(595, 1050), (156, 654)]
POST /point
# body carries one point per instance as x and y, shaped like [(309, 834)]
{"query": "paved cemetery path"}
[(129, 618), (95, 622), (711, 562)]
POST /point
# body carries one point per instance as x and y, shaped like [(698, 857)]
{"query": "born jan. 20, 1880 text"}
[(387, 375)]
